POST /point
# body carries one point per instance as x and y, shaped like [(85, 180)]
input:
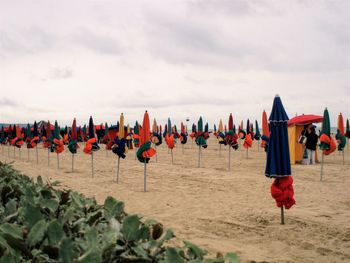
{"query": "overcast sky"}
[(61, 59)]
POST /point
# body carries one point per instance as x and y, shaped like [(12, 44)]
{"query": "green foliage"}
[(41, 224)]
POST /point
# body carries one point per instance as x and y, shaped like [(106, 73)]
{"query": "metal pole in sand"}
[(144, 178), (282, 215), (220, 149), (37, 154), (58, 161), (28, 154), (20, 153), (48, 157), (117, 178), (155, 146), (322, 160), (172, 157), (199, 156), (8, 149), (229, 157), (343, 157), (183, 149), (72, 162), (14, 152), (92, 164), (258, 146), (247, 154)]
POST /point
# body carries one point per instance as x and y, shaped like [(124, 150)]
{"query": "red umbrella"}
[(265, 131), (305, 119)]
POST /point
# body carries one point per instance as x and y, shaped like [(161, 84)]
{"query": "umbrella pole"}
[(229, 157), (220, 150), (92, 164), (282, 215), (9, 150), (183, 149), (144, 178), (48, 157), (172, 157), (72, 162), (117, 179), (14, 152), (258, 146), (20, 153), (37, 155), (58, 161), (343, 157), (322, 165), (247, 153), (155, 146), (28, 154), (135, 153), (199, 156)]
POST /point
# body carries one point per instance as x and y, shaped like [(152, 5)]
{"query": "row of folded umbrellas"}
[(119, 138)]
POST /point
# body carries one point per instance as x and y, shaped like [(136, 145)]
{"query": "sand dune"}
[(219, 210)]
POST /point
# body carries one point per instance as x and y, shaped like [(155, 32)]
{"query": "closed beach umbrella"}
[(341, 139), (145, 152), (278, 159)]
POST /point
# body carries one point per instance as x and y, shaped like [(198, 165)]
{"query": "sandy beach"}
[(218, 209)]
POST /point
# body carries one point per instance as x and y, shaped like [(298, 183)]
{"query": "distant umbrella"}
[(278, 159), (327, 144), (145, 152), (341, 139), (119, 147), (91, 144), (266, 132)]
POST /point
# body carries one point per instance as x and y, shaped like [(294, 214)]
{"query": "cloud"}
[(25, 40), (106, 44), (5, 102), (63, 73)]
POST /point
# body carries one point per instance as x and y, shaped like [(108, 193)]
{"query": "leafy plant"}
[(39, 223)]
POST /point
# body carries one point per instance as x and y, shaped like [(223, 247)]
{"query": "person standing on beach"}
[(311, 144)]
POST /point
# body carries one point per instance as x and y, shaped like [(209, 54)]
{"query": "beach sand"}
[(218, 210)]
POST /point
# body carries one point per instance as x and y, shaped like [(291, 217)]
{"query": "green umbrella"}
[(206, 128), (106, 128), (56, 132), (28, 132), (326, 129), (200, 125)]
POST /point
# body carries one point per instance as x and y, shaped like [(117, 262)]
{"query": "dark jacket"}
[(311, 141)]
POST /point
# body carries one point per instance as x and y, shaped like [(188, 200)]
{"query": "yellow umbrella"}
[(155, 127), (221, 127), (121, 127)]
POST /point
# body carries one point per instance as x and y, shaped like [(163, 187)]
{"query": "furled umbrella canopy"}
[(257, 134), (136, 135), (221, 134), (73, 144), (169, 136), (200, 138), (230, 136), (266, 132), (327, 144), (91, 144), (248, 140), (183, 134), (341, 139), (347, 133), (119, 147), (145, 152), (57, 144), (278, 159)]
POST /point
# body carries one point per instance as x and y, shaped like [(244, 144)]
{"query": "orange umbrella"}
[(145, 152)]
